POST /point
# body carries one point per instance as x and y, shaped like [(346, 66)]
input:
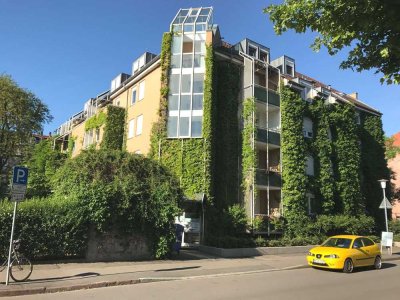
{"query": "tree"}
[(21, 115), (371, 28), (43, 164)]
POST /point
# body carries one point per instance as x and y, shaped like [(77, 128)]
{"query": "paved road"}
[(290, 284)]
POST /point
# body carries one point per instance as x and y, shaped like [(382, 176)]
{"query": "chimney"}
[(354, 95)]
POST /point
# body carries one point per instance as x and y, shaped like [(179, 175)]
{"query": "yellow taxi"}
[(345, 252)]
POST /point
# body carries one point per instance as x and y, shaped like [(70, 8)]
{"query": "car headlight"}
[(331, 256), (311, 254)]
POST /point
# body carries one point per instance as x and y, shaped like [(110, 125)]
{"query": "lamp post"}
[(383, 185)]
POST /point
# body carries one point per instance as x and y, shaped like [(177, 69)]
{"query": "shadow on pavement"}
[(63, 278), (177, 269)]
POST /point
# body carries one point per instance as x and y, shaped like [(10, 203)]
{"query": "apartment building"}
[(202, 132)]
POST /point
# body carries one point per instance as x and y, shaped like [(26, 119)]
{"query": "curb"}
[(48, 290)]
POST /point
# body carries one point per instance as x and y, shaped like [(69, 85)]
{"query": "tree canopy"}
[(371, 29), (21, 115)]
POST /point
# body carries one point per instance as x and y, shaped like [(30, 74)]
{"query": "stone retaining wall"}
[(114, 247)]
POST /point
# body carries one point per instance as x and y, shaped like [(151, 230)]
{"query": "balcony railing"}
[(268, 135), (260, 93), (263, 177)]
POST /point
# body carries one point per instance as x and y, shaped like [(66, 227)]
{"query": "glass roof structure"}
[(192, 18)]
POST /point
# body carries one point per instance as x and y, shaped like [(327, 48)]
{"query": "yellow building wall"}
[(78, 134), (148, 107)]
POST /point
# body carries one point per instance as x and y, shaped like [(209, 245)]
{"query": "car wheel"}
[(378, 263), (348, 266)]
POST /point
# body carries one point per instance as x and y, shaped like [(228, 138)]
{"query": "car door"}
[(371, 249), (360, 255)]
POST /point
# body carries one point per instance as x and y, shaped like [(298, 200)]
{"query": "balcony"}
[(268, 136), (263, 176), (260, 93)]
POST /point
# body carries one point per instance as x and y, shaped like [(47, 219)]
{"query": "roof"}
[(345, 96), (396, 138)]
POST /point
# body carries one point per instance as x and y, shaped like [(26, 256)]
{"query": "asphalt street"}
[(287, 284)]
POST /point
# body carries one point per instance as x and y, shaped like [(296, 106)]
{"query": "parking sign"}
[(20, 175), (20, 181)]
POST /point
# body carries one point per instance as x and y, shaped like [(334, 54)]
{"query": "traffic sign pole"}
[(11, 241), (386, 221)]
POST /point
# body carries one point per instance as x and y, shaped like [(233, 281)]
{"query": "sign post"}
[(18, 189)]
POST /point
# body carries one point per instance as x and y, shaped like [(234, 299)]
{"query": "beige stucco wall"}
[(394, 165), (148, 107)]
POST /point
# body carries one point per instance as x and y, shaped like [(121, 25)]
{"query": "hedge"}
[(49, 228)]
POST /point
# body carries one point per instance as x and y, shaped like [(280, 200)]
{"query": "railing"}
[(268, 135), (265, 177), (260, 93)]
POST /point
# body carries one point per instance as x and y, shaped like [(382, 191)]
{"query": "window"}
[(133, 101), (252, 51), (131, 128), (307, 128), (141, 90), (117, 102), (139, 125), (184, 126), (367, 242), (289, 70), (174, 84), (197, 102), (311, 204), (357, 243), (198, 83), (185, 102), (172, 126), (97, 135), (310, 165), (173, 101), (196, 126), (176, 44), (176, 61), (263, 55), (186, 83), (358, 118)]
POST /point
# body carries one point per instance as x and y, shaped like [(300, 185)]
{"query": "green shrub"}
[(394, 226), (260, 242), (342, 224), (235, 220), (49, 228), (123, 191)]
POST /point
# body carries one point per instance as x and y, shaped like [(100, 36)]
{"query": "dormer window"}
[(264, 56), (253, 51)]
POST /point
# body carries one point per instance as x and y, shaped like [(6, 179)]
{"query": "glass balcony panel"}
[(198, 102), (187, 60), (176, 61), (199, 61), (185, 102)]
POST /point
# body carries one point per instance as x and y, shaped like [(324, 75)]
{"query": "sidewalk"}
[(51, 278)]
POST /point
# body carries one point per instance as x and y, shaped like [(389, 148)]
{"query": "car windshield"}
[(337, 242)]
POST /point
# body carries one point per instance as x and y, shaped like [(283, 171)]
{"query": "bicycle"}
[(20, 267)]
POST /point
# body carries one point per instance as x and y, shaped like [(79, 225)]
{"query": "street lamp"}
[(383, 185)]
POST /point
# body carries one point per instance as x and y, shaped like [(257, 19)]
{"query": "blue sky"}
[(68, 51)]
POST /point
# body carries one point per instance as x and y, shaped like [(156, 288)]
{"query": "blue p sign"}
[(20, 175)]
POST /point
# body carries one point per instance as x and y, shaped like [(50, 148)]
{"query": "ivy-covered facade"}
[(236, 127)]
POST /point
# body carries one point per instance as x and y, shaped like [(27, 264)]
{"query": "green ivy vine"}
[(114, 130), (293, 147), (96, 121), (323, 148), (373, 164), (226, 131), (347, 159), (249, 156)]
